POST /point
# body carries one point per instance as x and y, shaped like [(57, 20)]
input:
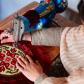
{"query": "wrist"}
[(40, 78)]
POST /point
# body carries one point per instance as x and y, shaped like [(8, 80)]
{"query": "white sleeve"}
[(43, 79), (48, 37)]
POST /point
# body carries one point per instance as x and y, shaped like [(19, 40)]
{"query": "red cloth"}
[(36, 53)]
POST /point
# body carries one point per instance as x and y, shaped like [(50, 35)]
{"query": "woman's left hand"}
[(30, 69)]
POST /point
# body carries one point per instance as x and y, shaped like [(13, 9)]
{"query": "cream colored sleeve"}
[(48, 37), (43, 79)]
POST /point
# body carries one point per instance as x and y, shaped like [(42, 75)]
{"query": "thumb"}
[(37, 62)]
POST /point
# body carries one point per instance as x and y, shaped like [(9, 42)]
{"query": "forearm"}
[(48, 37)]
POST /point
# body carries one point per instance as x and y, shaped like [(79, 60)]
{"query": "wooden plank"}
[(7, 22)]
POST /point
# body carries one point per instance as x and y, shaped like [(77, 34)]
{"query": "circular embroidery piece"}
[(8, 55)]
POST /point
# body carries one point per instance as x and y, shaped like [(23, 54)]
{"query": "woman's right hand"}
[(30, 69), (6, 37)]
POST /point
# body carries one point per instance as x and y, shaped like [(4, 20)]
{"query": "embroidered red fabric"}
[(36, 53)]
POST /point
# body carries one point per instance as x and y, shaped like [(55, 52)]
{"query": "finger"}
[(29, 59), (7, 40), (0, 36), (4, 41), (21, 62), (5, 34), (19, 67)]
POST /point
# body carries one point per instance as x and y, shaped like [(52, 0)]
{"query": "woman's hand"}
[(30, 69), (6, 37)]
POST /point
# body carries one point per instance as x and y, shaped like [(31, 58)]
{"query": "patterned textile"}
[(38, 53)]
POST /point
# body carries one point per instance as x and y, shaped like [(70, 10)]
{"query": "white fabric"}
[(72, 48)]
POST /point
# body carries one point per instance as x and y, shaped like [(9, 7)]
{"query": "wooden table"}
[(52, 51)]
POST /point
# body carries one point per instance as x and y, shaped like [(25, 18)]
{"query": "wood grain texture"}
[(7, 22)]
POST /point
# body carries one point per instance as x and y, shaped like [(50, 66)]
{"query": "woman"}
[(71, 42)]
